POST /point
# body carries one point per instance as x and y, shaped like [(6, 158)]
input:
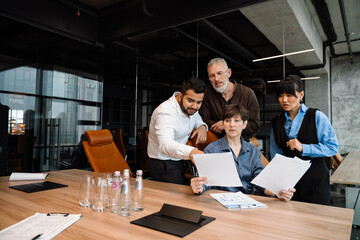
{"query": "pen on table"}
[(57, 214), (37, 236)]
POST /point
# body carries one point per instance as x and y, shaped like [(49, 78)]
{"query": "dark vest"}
[(314, 186)]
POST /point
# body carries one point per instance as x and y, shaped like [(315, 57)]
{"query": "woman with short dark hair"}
[(246, 156)]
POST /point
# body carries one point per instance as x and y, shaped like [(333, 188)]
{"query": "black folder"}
[(175, 220), (37, 187)]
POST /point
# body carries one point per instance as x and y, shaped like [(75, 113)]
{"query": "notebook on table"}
[(37, 187), (175, 220)]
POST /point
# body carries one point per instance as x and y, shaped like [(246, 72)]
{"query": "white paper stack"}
[(219, 168), (39, 226), (27, 176), (281, 173)]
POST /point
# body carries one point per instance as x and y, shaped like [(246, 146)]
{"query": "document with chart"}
[(232, 200), (40, 226), (281, 173)]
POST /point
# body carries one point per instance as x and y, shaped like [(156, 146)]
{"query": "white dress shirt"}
[(169, 131)]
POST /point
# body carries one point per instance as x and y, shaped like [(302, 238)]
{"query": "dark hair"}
[(193, 83), (289, 85), (233, 110)]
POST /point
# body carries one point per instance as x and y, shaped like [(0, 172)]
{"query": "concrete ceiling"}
[(352, 10), (289, 28), (174, 39), (293, 25)]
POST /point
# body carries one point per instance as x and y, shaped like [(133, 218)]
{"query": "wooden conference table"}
[(281, 220), (348, 173)]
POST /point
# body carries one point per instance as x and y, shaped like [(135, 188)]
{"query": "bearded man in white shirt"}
[(170, 128)]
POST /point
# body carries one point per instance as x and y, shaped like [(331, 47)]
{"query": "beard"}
[(223, 88), (186, 110)]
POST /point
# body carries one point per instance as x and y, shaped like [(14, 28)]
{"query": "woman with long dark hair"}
[(306, 133)]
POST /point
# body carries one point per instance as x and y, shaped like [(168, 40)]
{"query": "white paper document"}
[(27, 176), (219, 168), (281, 173), (236, 200), (40, 224)]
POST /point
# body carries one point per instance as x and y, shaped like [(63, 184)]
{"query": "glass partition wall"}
[(173, 54), (49, 110)]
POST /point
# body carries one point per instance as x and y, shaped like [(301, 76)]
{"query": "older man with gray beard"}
[(224, 92)]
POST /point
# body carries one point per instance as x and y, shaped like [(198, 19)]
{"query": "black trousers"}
[(167, 170)]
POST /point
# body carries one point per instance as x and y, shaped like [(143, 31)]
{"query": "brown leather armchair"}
[(102, 152), (190, 170), (254, 141), (118, 140), (335, 161), (211, 137)]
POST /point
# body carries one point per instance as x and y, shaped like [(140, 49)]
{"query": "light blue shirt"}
[(248, 164), (328, 145)]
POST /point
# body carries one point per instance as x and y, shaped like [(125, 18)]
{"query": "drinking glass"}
[(86, 191), (109, 181), (100, 199)]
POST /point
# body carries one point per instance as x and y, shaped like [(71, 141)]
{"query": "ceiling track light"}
[(307, 78), (310, 78), (283, 55), (273, 81)]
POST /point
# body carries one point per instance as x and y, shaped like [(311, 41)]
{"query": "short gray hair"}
[(217, 60)]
